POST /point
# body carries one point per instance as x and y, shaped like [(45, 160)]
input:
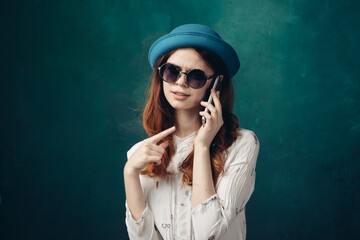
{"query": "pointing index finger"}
[(156, 138)]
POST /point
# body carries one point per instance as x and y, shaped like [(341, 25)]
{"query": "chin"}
[(179, 105), (188, 104), (184, 106)]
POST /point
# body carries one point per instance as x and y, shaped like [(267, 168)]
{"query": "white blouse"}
[(168, 214)]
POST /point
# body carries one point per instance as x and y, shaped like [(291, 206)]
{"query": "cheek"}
[(206, 90), (199, 96), (166, 86), (166, 90), (205, 94)]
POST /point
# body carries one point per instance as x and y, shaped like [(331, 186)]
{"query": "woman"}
[(190, 180)]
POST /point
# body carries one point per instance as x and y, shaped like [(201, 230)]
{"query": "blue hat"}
[(195, 35)]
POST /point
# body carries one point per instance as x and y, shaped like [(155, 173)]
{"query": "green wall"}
[(74, 72)]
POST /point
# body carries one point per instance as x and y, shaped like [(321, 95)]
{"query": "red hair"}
[(158, 115)]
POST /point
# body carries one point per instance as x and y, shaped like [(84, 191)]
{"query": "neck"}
[(187, 122)]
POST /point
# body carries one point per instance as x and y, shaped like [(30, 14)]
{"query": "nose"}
[(182, 79)]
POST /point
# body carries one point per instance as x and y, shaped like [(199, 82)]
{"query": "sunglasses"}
[(195, 78)]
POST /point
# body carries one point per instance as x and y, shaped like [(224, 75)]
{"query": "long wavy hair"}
[(158, 115)]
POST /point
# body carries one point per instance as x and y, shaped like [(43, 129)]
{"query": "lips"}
[(180, 93)]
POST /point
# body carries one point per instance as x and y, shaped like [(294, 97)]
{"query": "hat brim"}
[(173, 41)]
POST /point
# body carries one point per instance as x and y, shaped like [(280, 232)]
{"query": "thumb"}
[(164, 145)]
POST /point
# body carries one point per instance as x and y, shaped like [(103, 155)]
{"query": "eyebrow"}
[(187, 69)]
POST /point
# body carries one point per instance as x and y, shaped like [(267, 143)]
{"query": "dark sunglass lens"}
[(196, 78), (169, 73)]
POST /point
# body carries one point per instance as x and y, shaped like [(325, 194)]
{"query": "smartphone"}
[(216, 83)]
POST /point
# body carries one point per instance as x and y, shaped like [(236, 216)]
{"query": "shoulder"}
[(134, 148), (246, 136), (244, 149)]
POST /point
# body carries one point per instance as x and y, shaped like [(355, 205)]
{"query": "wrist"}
[(201, 147), (199, 143), (129, 171)]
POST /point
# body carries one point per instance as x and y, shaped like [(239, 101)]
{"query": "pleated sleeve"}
[(144, 228), (212, 217)]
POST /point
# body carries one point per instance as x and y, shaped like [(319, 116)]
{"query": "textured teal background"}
[(73, 72)]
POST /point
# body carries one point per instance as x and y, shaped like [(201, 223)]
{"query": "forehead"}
[(188, 58)]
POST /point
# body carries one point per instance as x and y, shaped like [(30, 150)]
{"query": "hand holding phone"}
[(210, 100)]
